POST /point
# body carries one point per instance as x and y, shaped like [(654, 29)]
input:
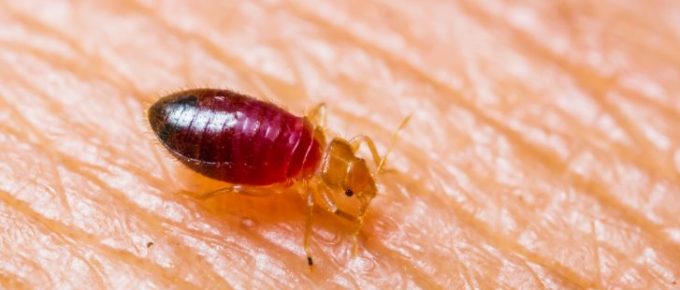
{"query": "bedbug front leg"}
[(245, 190), (308, 226), (317, 115), (379, 160), (363, 139), (325, 201), (211, 193), (357, 221)]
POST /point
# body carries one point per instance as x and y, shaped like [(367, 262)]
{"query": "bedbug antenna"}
[(393, 140)]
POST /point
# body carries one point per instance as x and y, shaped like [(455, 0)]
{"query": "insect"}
[(261, 149)]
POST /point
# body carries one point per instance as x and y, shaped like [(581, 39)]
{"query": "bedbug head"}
[(359, 181), (347, 174)]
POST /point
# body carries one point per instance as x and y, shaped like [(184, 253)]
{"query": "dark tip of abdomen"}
[(158, 112), (185, 100)]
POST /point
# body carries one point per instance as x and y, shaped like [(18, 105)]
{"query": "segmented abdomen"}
[(235, 138)]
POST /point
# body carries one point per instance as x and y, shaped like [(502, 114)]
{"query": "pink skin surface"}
[(543, 153)]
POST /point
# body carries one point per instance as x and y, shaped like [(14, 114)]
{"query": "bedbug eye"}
[(349, 192)]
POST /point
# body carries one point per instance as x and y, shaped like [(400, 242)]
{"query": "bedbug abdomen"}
[(235, 138)]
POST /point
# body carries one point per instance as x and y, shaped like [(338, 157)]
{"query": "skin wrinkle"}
[(73, 65), (217, 244), (36, 25), (54, 169), (27, 264), (663, 54), (623, 256), (419, 277), (158, 182), (643, 159), (533, 273), (632, 21), (12, 281), (539, 261), (24, 209), (58, 229), (645, 224), (61, 190), (599, 88), (490, 239), (589, 79), (619, 271), (101, 184), (324, 257), (466, 277), (621, 206), (260, 241), (434, 175), (149, 219), (59, 107), (215, 51), (33, 129), (42, 277), (81, 53), (630, 263), (470, 217), (510, 247), (499, 242), (636, 136), (253, 74), (105, 77), (216, 241)]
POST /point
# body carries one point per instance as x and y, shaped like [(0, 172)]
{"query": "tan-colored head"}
[(343, 171), (343, 186)]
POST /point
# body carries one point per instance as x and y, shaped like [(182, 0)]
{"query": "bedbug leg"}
[(212, 193), (317, 115), (359, 223), (250, 190), (355, 236), (363, 139), (380, 161), (308, 228), (325, 201), (345, 215), (331, 207)]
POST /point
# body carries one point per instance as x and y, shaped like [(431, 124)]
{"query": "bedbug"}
[(260, 149)]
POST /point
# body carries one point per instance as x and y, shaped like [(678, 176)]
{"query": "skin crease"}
[(543, 151)]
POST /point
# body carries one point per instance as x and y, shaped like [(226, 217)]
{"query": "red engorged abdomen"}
[(235, 138)]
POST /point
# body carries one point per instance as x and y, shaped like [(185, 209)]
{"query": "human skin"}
[(543, 151)]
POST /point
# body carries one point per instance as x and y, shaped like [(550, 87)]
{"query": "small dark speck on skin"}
[(149, 244)]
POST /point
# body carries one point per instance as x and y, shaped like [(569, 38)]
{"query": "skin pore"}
[(543, 151)]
